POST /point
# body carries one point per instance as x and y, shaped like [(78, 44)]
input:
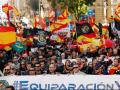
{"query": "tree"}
[(76, 7)]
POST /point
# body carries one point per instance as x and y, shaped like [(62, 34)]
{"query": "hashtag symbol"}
[(16, 85)]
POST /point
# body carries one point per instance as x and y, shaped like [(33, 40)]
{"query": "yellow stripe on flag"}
[(16, 11), (7, 37)]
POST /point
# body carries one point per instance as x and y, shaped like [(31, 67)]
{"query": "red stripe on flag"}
[(7, 29), (63, 26), (91, 35)]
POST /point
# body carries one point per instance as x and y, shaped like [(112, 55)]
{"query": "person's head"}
[(23, 64), (68, 52), (9, 88), (42, 64), (74, 54), (50, 52), (99, 69), (37, 67), (76, 68), (78, 61), (33, 61), (63, 56), (25, 55), (90, 64), (116, 62), (84, 61), (7, 70), (31, 71), (52, 68), (40, 57), (94, 61), (30, 53), (15, 59), (68, 63), (28, 66)]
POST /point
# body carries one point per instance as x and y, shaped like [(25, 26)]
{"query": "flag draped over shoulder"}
[(7, 36)]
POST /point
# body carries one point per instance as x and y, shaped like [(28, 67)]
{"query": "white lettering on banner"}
[(63, 82)]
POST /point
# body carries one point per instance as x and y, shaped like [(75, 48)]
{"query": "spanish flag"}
[(117, 13), (64, 15), (7, 36), (105, 33), (16, 11), (5, 9), (57, 26)]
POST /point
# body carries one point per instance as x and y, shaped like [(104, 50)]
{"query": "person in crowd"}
[(52, 69), (32, 71), (9, 88), (115, 67)]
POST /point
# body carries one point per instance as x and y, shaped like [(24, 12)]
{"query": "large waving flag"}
[(7, 36), (86, 37), (61, 22)]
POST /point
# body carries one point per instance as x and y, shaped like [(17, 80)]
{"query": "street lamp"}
[(105, 21), (41, 13)]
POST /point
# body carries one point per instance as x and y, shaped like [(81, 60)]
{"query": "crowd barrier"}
[(62, 82)]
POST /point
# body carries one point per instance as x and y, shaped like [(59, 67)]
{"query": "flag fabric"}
[(86, 37), (105, 33), (19, 47), (16, 11), (83, 28), (7, 48), (95, 28), (73, 31), (117, 13), (35, 21), (57, 26), (61, 22), (5, 9), (42, 22), (7, 36), (64, 15), (51, 15), (60, 38)]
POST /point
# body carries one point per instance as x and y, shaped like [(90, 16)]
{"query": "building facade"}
[(104, 9), (26, 7)]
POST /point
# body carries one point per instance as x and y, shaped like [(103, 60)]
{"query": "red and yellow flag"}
[(64, 15), (57, 26), (5, 9), (7, 36), (16, 11)]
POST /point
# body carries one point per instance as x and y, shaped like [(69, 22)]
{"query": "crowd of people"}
[(58, 58)]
